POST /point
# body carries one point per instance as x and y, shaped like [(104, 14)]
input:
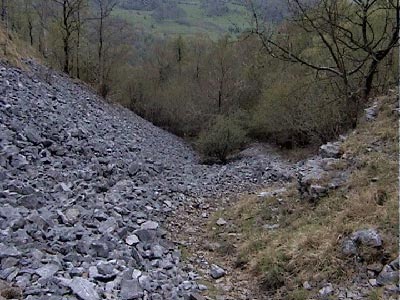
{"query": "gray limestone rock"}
[(389, 274), (47, 271), (84, 289), (217, 272), (132, 240), (8, 251), (149, 225), (330, 150), (130, 289), (367, 237), (326, 291)]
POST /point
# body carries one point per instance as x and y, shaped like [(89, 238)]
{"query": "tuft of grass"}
[(376, 294), (299, 294)]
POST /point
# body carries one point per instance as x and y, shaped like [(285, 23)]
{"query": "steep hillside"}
[(86, 187), (186, 18)]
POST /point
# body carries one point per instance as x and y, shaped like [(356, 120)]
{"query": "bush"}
[(222, 139)]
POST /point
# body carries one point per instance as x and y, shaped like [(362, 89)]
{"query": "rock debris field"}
[(85, 187)]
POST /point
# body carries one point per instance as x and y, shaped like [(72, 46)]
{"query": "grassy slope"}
[(198, 22), (13, 49), (306, 247)]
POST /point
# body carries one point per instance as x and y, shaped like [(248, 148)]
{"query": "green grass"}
[(196, 21)]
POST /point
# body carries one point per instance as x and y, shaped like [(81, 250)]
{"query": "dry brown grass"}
[(306, 246), (13, 50)]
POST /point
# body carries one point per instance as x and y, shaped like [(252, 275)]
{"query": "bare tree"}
[(355, 37), (28, 14), (69, 24), (42, 8), (104, 9), (221, 76)]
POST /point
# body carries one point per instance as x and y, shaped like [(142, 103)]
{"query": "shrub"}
[(222, 139)]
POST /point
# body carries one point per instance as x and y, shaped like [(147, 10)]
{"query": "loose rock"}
[(217, 272)]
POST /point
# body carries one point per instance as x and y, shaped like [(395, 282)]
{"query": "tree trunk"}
[(3, 10), (30, 27), (100, 54), (78, 46), (66, 55), (220, 99)]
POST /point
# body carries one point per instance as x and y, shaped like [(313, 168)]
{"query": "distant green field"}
[(196, 21)]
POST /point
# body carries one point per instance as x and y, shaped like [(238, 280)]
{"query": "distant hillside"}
[(211, 17)]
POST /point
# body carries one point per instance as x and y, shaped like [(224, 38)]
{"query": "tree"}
[(42, 9), (222, 79), (28, 13), (69, 25), (353, 36), (103, 11)]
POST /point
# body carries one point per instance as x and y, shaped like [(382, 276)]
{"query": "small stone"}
[(202, 287), (145, 236), (388, 276), (349, 247), (371, 112), (108, 226), (130, 289), (105, 269), (8, 251), (47, 271), (145, 282), (367, 237), (373, 282), (72, 214), (136, 274), (84, 289), (149, 225), (326, 290), (132, 240), (271, 226), (264, 195), (217, 272), (330, 150), (307, 286), (157, 251), (221, 222)]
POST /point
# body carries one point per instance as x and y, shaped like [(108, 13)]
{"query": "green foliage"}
[(294, 110), (223, 138)]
